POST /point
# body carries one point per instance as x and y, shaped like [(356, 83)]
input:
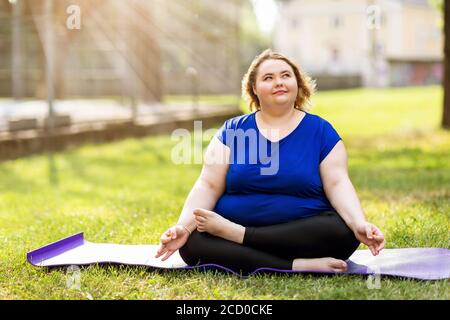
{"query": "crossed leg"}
[(318, 243)]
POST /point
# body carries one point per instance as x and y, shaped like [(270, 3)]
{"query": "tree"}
[(446, 82)]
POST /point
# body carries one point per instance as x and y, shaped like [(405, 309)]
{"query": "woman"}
[(301, 213)]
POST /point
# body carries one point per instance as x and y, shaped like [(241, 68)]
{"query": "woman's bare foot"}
[(320, 265), (215, 224)]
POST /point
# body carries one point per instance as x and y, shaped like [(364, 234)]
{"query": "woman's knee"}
[(190, 252), (348, 246), (344, 239)]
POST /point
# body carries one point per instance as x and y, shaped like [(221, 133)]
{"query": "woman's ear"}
[(254, 89)]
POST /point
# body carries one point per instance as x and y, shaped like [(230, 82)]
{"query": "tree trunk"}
[(446, 113)]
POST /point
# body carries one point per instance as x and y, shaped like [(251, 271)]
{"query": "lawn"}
[(130, 192)]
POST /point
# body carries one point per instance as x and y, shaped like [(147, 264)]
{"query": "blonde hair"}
[(306, 86)]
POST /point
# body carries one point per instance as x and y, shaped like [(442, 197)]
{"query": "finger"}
[(161, 247), (381, 245), (369, 232), (377, 231), (160, 252), (165, 241), (379, 238), (166, 235), (168, 254), (370, 242), (377, 251), (374, 231), (200, 220)]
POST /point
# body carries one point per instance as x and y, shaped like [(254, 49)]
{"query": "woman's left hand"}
[(371, 236)]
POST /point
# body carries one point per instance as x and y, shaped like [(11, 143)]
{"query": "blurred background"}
[(86, 63)]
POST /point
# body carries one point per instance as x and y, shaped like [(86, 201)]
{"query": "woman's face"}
[(276, 85)]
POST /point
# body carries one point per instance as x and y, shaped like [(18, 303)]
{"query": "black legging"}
[(274, 246)]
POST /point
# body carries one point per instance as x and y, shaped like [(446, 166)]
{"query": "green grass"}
[(130, 191)]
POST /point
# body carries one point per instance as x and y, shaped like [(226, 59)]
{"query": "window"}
[(295, 23), (336, 21)]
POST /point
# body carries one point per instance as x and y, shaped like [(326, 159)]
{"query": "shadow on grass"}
[(13, 182)]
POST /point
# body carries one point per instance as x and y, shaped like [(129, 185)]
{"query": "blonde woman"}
[(283, 199)]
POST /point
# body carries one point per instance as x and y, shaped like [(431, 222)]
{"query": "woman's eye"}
[(284, 75)]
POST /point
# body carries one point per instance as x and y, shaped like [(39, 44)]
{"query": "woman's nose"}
[(278, 82)]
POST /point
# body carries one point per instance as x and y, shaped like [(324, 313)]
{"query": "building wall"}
[(324, 36), (414, 32), (348, 39)]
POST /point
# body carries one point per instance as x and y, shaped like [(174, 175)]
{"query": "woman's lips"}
[(280, 92)]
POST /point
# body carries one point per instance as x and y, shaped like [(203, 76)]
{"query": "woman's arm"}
[(338, 187), (204, 194), (342, 196), (209, 186)]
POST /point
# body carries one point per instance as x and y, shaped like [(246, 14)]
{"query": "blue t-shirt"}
[(270, 183)]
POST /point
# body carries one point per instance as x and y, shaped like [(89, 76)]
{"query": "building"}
[(350, 43)]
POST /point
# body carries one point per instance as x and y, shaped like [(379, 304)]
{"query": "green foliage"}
[(130, 192), (439, 4)]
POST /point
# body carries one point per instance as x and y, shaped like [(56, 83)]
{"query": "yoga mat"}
[(418, 263)]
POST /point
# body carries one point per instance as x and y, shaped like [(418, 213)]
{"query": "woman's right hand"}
[(173, 239)]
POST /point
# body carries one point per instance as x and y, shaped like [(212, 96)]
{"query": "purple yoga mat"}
[(418, 263)]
